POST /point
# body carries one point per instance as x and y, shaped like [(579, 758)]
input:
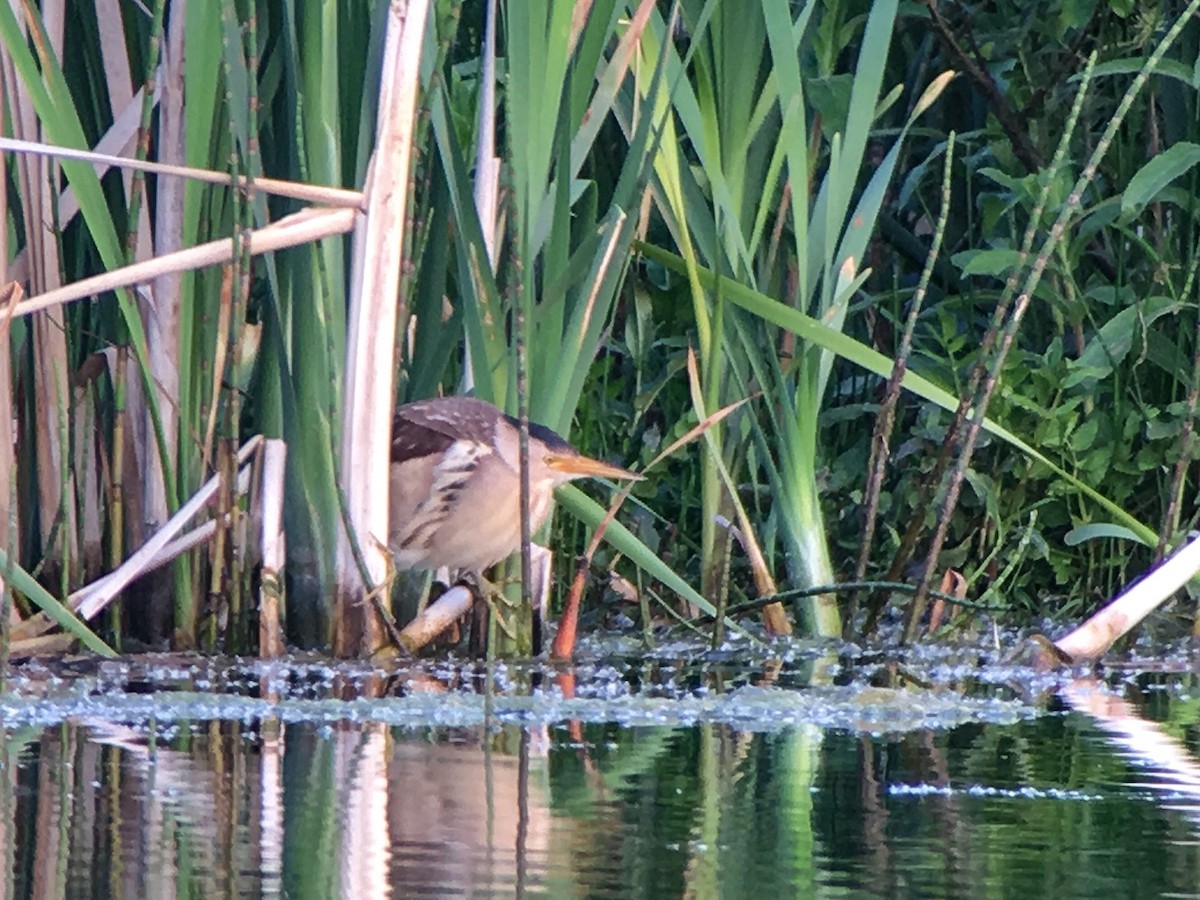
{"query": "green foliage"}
[(780, 161)]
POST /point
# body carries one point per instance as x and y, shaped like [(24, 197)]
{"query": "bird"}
[(455, 483)]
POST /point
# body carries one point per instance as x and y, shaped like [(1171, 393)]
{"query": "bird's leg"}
[(539, 592), (382, 591), (492, 594)]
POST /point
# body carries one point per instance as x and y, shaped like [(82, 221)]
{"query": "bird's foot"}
[(382, 592), (492, 593)]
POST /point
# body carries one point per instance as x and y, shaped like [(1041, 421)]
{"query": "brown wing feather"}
[(428, 427)]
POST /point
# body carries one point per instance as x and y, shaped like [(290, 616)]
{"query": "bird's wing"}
[(428, 427), (414, 440)]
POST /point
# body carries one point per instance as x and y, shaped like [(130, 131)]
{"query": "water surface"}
[(701, 776)]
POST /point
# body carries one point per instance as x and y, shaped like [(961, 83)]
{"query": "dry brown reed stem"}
[(119, 136), (274, 550), (376, 311), (302, 227), (885, 419), (45, 645), (434, 619), (39, 624), (90, 601), (95, 601), (296, 190), (955, 584), (1095, 637), (568, 623), (141, 561)]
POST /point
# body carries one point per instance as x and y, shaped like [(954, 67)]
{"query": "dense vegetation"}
[(778, 210)]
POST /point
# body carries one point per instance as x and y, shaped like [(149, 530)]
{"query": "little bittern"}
[(456, 486)]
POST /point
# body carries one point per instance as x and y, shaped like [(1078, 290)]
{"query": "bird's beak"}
[(580, 466)]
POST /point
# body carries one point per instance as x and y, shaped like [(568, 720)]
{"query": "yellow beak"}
[(579, 466)]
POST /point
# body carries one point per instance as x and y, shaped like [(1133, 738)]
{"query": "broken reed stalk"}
[(274, 551), (295, 190), (1093, 638), (435, 618), (303, 227), (273, 546), (89, 601)]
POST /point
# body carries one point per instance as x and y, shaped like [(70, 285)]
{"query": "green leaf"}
[(996, 262), (1074, 14), (1103, 531), (831, 98), (855, 351), (1155, 175), (1163, 429), (1085, 435), (56, 610), (1111, 345), (1131, 65), (1087, 375)]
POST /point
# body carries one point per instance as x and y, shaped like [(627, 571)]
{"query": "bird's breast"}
[(462, 511)]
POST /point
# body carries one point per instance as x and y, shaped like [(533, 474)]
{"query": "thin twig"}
[(1068, 210), (885, 420)]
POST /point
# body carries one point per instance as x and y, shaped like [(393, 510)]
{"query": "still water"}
[(177, 778)]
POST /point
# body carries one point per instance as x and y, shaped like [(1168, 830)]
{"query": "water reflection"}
[(301, 811), (1161, 762), (360, 809)]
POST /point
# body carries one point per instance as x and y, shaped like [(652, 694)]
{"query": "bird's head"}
[(552, 459)]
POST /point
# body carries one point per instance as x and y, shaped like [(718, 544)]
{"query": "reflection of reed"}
[(8, 806), (872, 784), (464, 820), (271, 828), (1172, 767), (360, 765), (171, 822), (170, 807), (48, 864), (95, 810)]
